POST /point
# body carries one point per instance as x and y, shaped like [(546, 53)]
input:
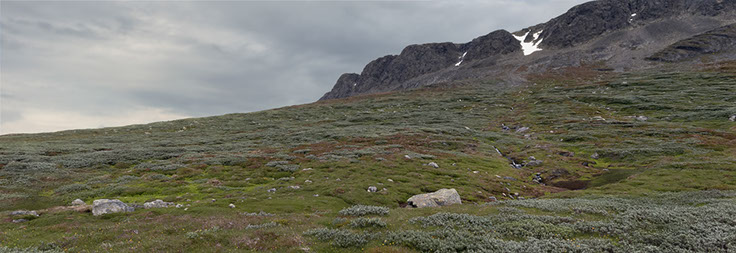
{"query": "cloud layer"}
[(67, 65)]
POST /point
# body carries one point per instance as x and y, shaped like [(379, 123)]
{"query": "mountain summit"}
[(619, 34)]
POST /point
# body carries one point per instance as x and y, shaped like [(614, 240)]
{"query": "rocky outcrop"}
[(390, 72), (589, 20), (443, 197), (712, 42), (615, 31), (107, 206)]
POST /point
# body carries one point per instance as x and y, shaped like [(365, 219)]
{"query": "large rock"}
[(443, 197), (24, 213), (157, 204), (106, 206)]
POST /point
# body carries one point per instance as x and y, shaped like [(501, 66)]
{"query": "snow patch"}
[(631, 19), (355, 84), (461, 59), (530, 47)]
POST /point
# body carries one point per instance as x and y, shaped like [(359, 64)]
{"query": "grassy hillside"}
[(627, 161)]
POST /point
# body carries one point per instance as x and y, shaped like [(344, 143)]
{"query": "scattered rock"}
[(433, 164), (307, 169), (231, 205), (157, 204), (522, 129), (23, 213), (272, 190), (567, 154), (78, 202), (599, 118), (179, 205), (537, 178), (492, 199), (19, 221), (442, 197), (295, 187), (595, 156), (106, 206), (533, 162), (308, 181), (732, 118), (505, 128), (641, 118), (407, 156), (372, 189), (589, 164), (390, 180), (510, 178)]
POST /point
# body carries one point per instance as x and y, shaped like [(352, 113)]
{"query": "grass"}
[(321, 158)]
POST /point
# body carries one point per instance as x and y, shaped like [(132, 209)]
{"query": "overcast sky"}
[(68, 65)]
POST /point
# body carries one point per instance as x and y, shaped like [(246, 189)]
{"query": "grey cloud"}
[(98, 59)]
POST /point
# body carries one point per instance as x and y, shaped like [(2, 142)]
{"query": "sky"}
[(91, 64)]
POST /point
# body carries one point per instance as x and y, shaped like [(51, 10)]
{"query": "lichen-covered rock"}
[(24, 213), (78, 202), (106, 206), (157, 204), (443, 197)]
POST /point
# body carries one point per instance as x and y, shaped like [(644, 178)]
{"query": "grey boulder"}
[(24, 212), (443, 197), (106, 206)]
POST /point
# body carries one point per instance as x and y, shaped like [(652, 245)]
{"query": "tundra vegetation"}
[(615, 162)]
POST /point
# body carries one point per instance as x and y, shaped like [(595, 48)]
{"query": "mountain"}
[(621, 34)]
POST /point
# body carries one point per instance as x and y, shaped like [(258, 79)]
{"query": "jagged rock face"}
[(389, 72), (586, 21), (714, 41)]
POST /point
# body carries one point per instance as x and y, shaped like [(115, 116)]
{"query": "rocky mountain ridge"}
[(623, 34)]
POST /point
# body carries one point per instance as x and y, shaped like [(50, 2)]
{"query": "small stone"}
[(595, 156), (338, 179), (642, 118), (732, 118), (390, 180), (308, 181), (19, 221), (213, 200), (492, 199), (434, 165), (231, 205), (272, 190), (295, 187), (372, 189), (179, 205), (307, 169), (316, 195), (522, 129), (407, 156), (186, 208), (78, 202)]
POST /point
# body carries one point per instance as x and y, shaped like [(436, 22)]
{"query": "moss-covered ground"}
[(593, 135)]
